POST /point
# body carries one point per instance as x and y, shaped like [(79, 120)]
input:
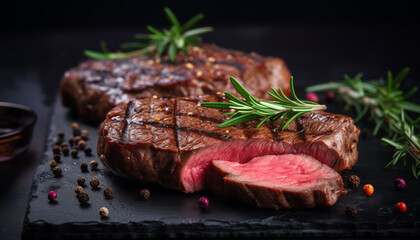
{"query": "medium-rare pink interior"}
[(194, 173), (288, 171)]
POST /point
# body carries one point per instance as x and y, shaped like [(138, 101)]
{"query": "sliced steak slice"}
[(173, 141), (277, 181), (96, 86)]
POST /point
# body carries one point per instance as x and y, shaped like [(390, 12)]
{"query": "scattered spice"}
[(203, 202), (53, 164), (56, 149), (227, 131), (368, 189), (157, 118), (77, 139), (74, 153), (93, 165), (83, 198), (189, 113), (57, 157), (71, 141), (74, 125), (353, 181), (64, 145), (351, 211), (401, 207), (399, 183), (88, 151), (58, 142), (84, 134), (84, 167), (78, 190), (52, 196), (108, 193), (76, 147), (57, 171), (65, 151), (145, 194), (103, 211), (81, 181), (76, 132), (313, 97), (81, 144), (94, 183), (61, 134)]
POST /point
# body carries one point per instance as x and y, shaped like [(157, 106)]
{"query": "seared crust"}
[(96, 86), (153, 139)]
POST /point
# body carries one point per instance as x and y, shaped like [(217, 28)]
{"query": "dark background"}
[(319, 40)]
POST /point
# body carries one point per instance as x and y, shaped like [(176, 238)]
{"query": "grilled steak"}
[(173, 141), (277, 181), (95, 86)]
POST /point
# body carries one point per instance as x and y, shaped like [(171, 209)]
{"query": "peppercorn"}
[(399, 183), (75, 147), (57, 171), (88, 151), (56, 149), (93, 165), (83, 198), (84, 134), (203, 202), (57, 157), (78, 190), (77, 139), (74, 125), (52, 196), (329, 96), (64, 145), (351, 211), (103, 211), (84, 167), (353, 181), (53, 164), (58, 142), (313, 97), (81, 181), (401, 207), (81, 144), (61, 134), (65, 151), (94, 183), (71, 141), (108, 193), (144, 194), (76, 132), (74, 153), (368, 189)]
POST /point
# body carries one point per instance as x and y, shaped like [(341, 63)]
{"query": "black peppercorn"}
[(83, 198), (353, 181), (81, 144), (108, 193), (74, 125), (93, 165), (88, 151), (144, 194), (57, 171), (77, 139), (81, 181), (57, 157), (61, 134), (84, 135), (56, 149), (71, 141), (74, 153), (65, 151), (64, 145), (84, 167), (76, 132), (53, 164), (94, 183), (351, 211), (58, 142)]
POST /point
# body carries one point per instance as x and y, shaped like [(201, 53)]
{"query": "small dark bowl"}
[(16, 128)]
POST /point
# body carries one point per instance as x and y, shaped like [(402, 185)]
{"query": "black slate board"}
[(173, 214)]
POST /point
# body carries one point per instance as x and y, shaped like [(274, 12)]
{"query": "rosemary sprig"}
[(385, 105), (249, 108), (168, 41)]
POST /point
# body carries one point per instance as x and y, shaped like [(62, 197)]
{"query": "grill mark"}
[(185, 129), (300, 129), (202, 117), (176, 131), (127, 117)]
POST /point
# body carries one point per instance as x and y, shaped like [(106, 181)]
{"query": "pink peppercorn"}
[(330, 95), (313, 97), (399, 183), (203, 202), (52, 196)]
